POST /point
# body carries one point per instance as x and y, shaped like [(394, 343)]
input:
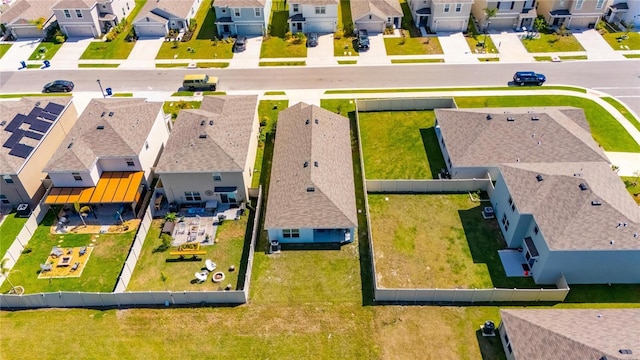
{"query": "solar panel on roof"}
[(30, 118), (13, 139), (40, 125), (54, 108), (33, 135), (15, 123), (48, 116), (21, 150)]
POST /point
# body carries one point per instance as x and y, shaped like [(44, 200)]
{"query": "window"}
[(458, 7), (513, 3), (258, 12), (513, 207), (217, 177), (76, 176), (505, 222), (236, 12), (321, 10), (130, 162), (446, 7), (509, 348), (599, 4), (7, 179), (127, 6), (510, 201), (536, 230), (579, 4), (296, 8), (506, 338), (146, 145), (67, 14), (192, 196), (79, 14), (290, 233), (3, 199)]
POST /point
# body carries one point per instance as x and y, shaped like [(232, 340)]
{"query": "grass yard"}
[(99, 275), (275, 47), (10, 228), (436, 241), (605, 129), (412, 45), (268, 114), (476, 41), (617, 42), (174, 107), (282, 63), (343, 40), (45, 51), (632, 183), (400, 145), (552, 43), (344, 45), (4, 48), (623, 110), (98, 65), (411, 61)]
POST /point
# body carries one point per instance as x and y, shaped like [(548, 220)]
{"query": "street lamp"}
[(101, 91), (486, 30)]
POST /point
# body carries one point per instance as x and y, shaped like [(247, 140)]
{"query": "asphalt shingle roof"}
[(24, 11), (578, 334), (314, 2), (127, 123), (325, 147), (224, 145), (177, 8), (240, 3), (74, 4), (381, 8)]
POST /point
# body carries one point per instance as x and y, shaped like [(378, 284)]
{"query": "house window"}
[(446, 7), (236, 12), (258, 12), (513, 3), (321, 10), (510, 201), (506, 338), (458, 8), (295, 8), (127, 6), (192, 196), (3, 199), (579, 4), (509, 348), (79, 14), (513, 207), (7, 179), (67, 14), (505, 222), (217, 177), (536, 230), (290, 233), (130, 162), (76, 176), (599, 4), (123, 12), (146, 145)]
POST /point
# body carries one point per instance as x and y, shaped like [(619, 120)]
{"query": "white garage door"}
[(320, 26), (26, 32), (79, 31), (249, 29), (450, 25), (371, 27), (155, 31)]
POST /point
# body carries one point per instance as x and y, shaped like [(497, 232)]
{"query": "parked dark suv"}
[(528, 77), (363, 40)]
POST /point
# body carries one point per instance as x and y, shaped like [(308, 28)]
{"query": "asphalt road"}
[(620, 79)]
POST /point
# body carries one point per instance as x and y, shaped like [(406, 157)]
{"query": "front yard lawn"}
[(552, 43), (275, 47), (11, 227), (618, 41), (476, 41), (632, 183), (344, 44), (623, 110), (45, 51), (4, 48), (400, 145), (412, 45)]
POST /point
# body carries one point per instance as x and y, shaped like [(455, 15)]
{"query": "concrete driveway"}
[(377, 53), (510, 47), (143, 54), (250, 58), (69, 54), (19, 51), (596, 47), (456, 50), (322, 55)]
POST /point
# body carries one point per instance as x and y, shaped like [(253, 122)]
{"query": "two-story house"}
[(307, 16), (509, 15), (376, 15), (312, 191), (31, 129), (156, 18), (90, 18), (27, 18), (106, 158), (242, 17), (555, 195), (441, 15), (210, 154), (573, 14)]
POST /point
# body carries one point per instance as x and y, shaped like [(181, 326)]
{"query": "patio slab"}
[(513, 262)]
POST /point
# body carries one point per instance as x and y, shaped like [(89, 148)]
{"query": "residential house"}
[(107, 157), (509, 15), (311, 195), (30, 131), (555, 195), (210, 154), (91, 18), (307, 16), (441, 15), (573, 14), (627, 11), (599, 334), (376, 15), (242, 17), (156, 18), (28, 18)]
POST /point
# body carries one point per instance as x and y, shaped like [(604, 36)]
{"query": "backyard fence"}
[(429, 186), (397, 104), (252, 245), (470, 295), (134, 253)]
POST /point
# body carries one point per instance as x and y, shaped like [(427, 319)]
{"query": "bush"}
[(288, 35), (299, 38), (166, 243), (338, 34), (264, 121), (27, 250)]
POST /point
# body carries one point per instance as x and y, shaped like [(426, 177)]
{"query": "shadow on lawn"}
[(432, 149), (490, 346), (208, 30)]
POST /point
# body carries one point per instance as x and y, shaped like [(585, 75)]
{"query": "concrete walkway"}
[(139, 57), (456, 50), (596, 47)]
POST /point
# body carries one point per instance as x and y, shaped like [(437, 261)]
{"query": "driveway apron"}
[(456, 50), (377, 54), (510, 48), (250, 58), (69, 54), (143, 54), (322, 55), (597, 48), (19, 51)]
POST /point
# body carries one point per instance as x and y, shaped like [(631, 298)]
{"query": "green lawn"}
[(617, 42), (372, 91), (344, 45), (268, 114), (174, 107), (400, 145), (412, 45), (605, 129), (476, 41), (4, 48), (45, 51), (552, 43), (276, 47), (10, 228), (100, 273), (623, 110), (343, 41), (205, 43), (118, 48), (411, 61), (632, 183), (98, 65)]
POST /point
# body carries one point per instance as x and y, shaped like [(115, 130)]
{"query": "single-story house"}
[(307, 16), (311, 195), (28, 18), (441, 15), (91, 18), (242, 17), (509, 15), (573, 14), (156, 18), (211, 152), (376, 15)]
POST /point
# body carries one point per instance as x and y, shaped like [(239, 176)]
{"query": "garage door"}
[(26, 32), (371, 27), (249, 29), (79, 31), (450, 25), (321, 26), (156, 30)]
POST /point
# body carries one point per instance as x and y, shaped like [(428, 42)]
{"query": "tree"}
[(39, 23), (489, 13), (171, 217), (540, 24), (164, 279), (5, 271), (76, 206)]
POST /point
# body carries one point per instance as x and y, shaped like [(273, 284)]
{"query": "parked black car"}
[(58, 86), (528, 77), (363, 39), (240, 44), (312, 39)]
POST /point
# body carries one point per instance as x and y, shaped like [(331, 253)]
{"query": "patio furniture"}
[(83, 250), (202, 276), (64, 261), (182, 228), (210, 265), (158, 202), (45, 267), (56, 252), (75, 266)]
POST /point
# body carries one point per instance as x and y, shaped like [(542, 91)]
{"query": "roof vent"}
[(316, 121), (210, 122), (110, 113), (70, 145), (38, 103), (489, 117), (577, 174), (539, 142), (102, 115), (315, 163), (3, 122), (635, 235), (625, 351), (100, 127), (511, 119), (306, 164), (306, 122), (535, 118), (583, 186), (203, 136), (596, 202), (611, 242), (311, 189), (202, 123), (539, 177)]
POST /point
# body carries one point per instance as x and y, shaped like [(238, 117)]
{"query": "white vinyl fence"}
[(429, 186), (398, 104)]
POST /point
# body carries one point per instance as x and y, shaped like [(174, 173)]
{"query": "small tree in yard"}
[(540, 24), (76, 206), (5, 272), (164, 279)]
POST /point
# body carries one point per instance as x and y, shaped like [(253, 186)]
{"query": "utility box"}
[(23, 210)]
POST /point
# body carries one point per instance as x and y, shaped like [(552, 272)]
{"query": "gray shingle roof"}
[(177, 8), (564, 212), (124, 133), (74, 4), (226, 145), (326, 143), (27, 10), (239, 3), (380, 8), (578, 334), (314, 2), (560, 135), (10, 164)]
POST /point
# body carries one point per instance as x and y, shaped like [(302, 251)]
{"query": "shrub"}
[(338, 34), (264, 121), (166, 243), (288, 35), (193, 24), (27, 250), (299, 38)]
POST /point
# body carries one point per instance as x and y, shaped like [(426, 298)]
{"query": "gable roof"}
[(314, 2), (563, 210), (126, 124), (74, 4), (573, 333), (24, 11), (165, 10), (198, 145), (310, 135), (239, 3), (380, 8), (561, 134)]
